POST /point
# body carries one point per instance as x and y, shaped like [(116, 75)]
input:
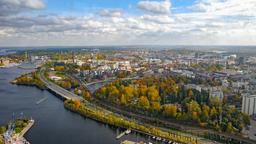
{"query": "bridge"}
[(63, 93), (92, 86)]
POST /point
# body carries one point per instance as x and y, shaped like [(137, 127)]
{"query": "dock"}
[(128, 142), (19, 138), (128, 131)]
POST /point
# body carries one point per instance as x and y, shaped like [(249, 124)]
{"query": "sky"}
[(127, 22)]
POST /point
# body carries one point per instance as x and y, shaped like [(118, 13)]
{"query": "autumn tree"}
[(213, 68), (170, 110), (229, 128), (143, 102), (59, 68), (113, 94), (123, 100), (153, 94), (213, 113), (155, 106), (77, 103), (190, 93), (194, 110), (142, 90), (86, 95), (205, 113)]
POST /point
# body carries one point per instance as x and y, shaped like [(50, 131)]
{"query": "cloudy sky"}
[(127, 22)]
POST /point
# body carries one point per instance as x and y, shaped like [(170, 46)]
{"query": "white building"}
[(55, 78), (216, 92), (249, 104)]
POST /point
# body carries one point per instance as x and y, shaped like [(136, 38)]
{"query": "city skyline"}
[(129, 22)]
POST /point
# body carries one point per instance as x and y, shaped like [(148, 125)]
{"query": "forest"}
[(168, 98)]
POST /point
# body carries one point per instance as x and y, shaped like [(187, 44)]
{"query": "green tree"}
[(246, 119)]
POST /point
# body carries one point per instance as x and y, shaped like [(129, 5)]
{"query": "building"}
[(4, 62), (249, 104), (55, 78), (216, 92)]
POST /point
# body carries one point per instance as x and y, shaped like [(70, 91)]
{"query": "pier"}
[(123, 133), (11, 138)]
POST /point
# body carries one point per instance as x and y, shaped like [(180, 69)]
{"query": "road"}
[(57, 89), (91, 88)]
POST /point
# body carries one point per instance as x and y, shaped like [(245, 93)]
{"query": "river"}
[(53, 123)]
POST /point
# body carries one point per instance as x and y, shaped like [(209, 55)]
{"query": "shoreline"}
[(10, 136), (114, 120)]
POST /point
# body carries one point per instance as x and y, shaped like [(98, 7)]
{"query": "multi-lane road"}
[(57, 89)]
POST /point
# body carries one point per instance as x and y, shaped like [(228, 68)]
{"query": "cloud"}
[(157, 7), (207, 22), (9, 7), (226, 7), (161, 19), (110, 13)]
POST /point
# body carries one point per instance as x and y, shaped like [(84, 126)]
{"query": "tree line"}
[(168, 97)]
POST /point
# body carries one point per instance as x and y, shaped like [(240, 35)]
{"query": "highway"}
[(67, 95), (90, 86)]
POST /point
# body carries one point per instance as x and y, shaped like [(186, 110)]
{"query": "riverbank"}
[(115, 120), (30, 79)]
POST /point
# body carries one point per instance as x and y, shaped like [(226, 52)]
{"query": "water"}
[(53, 123)]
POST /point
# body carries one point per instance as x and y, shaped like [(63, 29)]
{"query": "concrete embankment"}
[(19, 138)]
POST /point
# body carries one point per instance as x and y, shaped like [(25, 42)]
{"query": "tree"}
[(143, 102), (229, 127), (213, 68), (65, 84), (2, 129), (143, 90), (155, 106), (153, 94), (170, 110), (190, 93), (59, 68), (86, 95), (128, 92), (213, 113), (77, 103), (194, 110), (113, 94), (246, 119), (205, 113), (123, 100), (102, 92)]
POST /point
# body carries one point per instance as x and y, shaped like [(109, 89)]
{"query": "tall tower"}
[(26, 56)]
